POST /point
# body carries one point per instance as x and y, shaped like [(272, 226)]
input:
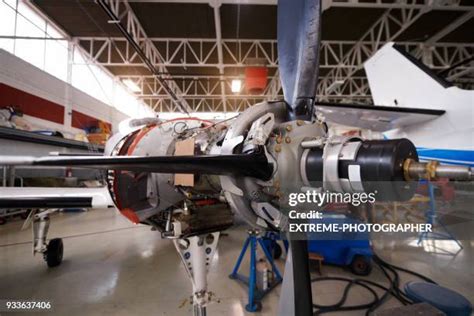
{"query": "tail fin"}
[(398, 79)]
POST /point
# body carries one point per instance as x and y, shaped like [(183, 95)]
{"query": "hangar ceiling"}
[(197, 47)]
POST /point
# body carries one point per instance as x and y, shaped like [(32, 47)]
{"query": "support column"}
[(68, 105), (216, 4)]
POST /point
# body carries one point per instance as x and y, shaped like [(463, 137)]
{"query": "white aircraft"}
[(414, 103)]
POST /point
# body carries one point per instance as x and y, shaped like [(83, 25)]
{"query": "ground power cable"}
[(391, 273)]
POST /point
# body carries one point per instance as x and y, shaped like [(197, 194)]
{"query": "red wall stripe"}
[(31, 104), (41, 108), (82, 121)]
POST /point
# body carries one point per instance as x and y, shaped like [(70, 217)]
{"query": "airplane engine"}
[(296, 155)]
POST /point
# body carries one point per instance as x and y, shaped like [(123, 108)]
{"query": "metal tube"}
[(312, 143), (199, 310), (220, 54), (433, 170), (414, 169), (455, 172), (11, 176), (4, 176)]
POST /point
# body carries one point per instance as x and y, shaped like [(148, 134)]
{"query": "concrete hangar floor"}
[(114, 267)]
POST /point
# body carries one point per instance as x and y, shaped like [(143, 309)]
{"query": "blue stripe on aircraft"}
[(447, 156)]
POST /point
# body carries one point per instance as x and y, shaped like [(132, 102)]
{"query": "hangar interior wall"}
[(47, 101)]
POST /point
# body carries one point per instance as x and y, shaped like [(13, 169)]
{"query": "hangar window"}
[(91, 79), (32, 38), (7, 24), (30, 32)]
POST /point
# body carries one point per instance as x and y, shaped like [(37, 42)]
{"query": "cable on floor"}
[(390, 271)]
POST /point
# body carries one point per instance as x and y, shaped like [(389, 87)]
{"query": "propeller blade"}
[(253, 164), (298, 54)]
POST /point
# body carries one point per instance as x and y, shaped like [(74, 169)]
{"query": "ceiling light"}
[(132, 85), (236, 85)]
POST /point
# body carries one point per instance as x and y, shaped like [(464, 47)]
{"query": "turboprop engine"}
[(249, 164)]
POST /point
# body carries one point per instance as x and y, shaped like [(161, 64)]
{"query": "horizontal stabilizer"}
[(374, 117)]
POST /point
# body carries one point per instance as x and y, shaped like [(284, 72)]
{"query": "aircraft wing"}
[(375, 117), (24, 198)]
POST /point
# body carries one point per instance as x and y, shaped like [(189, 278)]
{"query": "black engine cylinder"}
[(380, 163)]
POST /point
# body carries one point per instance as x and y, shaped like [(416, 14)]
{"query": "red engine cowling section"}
[(136, 193), (116, 180)]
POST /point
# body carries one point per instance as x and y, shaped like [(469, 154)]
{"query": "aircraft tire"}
[(54, 255)]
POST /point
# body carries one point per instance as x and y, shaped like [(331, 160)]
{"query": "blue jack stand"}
[(255, 295), (431, 218)]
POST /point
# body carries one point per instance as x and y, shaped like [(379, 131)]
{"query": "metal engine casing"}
[(153, 198), (258, 202), (150, 197)]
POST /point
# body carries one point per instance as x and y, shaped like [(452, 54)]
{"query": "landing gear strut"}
[(52, 251), (196, 253)]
